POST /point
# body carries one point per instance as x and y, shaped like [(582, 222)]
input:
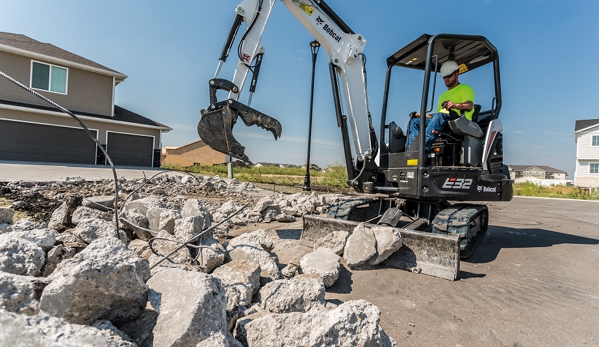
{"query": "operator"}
[(458, 97)]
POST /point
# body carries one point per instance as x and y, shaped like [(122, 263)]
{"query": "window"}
[(595, 141), (594, 168), (49, 77)]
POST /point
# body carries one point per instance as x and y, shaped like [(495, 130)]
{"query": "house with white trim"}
[(586, 136), (35, 131)]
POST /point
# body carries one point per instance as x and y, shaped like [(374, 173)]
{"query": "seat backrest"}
[(476, 112), (397, 140)]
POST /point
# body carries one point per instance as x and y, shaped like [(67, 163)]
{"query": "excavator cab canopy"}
[(471, 50)]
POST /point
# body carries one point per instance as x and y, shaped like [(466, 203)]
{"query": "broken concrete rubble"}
[(83, 212), (335, 241), (388, 240), (104, 281), (44, 330), (323, 262), (294, 295), (20, 257), (102, 203), (92, 278), (61, 217), (191, 307), (354, 323), (55, 256), (21, 294), (255, 247), (92, 229), (359, 247)]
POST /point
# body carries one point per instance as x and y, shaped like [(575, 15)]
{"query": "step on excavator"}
[(426, 195)]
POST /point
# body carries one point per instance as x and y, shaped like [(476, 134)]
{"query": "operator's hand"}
[(448, 105)]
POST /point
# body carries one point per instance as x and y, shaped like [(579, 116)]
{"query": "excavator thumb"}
[(216, 126)]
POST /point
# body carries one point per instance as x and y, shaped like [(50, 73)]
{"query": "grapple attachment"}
[(216, 126)]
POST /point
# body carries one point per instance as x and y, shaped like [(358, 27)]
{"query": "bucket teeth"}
[(216, 127)]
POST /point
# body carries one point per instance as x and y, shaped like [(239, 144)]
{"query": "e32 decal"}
[(457, 183)]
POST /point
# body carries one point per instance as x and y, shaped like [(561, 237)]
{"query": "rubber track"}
[(456, 220)]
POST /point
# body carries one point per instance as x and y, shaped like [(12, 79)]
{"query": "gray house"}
[(586, 134), (33, 130)]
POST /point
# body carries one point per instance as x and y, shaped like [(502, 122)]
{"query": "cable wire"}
[(116, 182)]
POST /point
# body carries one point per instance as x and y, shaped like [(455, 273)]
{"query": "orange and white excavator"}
[(403, 187)]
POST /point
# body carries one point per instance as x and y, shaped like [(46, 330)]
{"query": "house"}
[(33, 130), (536, 171), (586, 136), (196, 152)]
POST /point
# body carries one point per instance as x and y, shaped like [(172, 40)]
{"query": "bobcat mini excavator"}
[(405, 188)]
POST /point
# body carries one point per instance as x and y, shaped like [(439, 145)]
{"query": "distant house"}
[(586, 136), (196, 152), (537, 171), (33, 130)]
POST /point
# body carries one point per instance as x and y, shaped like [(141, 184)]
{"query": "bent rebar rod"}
[(192, 239)]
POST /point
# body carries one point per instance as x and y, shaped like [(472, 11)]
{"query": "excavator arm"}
[(347, 69)]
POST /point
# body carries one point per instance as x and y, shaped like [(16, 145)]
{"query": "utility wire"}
[(116, 182)]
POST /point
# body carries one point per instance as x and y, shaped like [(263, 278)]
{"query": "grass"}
[(565, 192), (335, 176)]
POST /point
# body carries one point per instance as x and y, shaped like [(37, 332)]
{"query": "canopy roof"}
[(471, 50)]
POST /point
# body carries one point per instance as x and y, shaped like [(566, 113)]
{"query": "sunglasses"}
[(448, 76)]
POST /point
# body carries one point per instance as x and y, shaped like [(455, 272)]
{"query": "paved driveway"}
[(39, 172)]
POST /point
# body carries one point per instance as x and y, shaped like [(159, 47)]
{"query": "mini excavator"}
[(427, 195)]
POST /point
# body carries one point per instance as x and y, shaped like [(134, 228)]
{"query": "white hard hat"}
[(448, 68)]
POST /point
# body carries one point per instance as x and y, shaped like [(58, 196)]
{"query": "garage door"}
[(45, 143), (131, 150)]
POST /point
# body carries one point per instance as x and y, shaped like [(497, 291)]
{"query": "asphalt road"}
[(533, 281)]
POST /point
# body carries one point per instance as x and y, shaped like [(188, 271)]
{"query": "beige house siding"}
[(586, 182), (86, 91), (194, 153), (63, 119), (585, 150)]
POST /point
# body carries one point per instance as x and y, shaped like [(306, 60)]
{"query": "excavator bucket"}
[(422, 252), (216, 126)]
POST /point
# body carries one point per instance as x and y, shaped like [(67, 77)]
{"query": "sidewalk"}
[(43, 172)]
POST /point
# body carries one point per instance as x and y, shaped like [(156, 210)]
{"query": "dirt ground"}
[(533, 281)]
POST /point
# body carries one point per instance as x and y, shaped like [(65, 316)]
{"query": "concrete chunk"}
[(388, 240), (294, 295), (359, 247), (21, 294), (20, 257), (335, 241), (191, 307), (323, 262), (354, 323), (104, 281)]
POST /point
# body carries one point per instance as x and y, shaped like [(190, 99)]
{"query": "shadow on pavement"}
[(343, 283), (499, 237)]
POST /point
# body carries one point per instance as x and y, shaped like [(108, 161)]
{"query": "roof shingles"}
[(585, 123), (28, 44)]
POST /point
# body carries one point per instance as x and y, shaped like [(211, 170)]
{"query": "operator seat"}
[(397, 139), (471, 153)]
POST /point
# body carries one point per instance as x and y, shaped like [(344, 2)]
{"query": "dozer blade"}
[(431, 254), (216, 126)]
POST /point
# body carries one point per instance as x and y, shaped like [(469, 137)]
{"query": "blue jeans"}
[(436, 122)]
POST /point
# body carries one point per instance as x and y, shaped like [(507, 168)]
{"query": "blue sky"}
[(170, 49)]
